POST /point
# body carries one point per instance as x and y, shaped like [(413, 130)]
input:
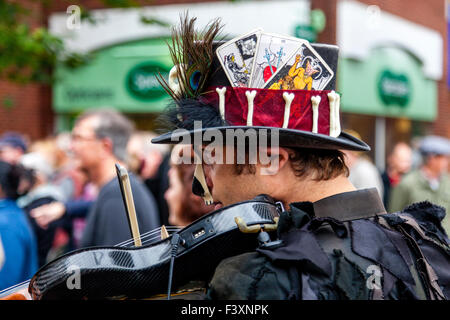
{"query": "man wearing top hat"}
[(336, 242)]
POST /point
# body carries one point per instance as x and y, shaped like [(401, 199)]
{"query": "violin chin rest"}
[(256, 227)]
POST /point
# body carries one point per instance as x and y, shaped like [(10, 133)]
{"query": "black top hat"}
[(297, 101)]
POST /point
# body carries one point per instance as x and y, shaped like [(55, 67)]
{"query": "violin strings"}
[(158, 235), (155, 237), (150, 234), (143, 242), (142, 236), (14, 286), (149, 241)]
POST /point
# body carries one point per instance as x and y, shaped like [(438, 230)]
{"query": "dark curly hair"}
[(320, 164), (10, 177)]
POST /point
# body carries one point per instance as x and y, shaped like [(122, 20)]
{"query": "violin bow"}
[(127, 196)]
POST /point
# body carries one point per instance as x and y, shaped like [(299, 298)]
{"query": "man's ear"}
[(272, 160), (108, 145)]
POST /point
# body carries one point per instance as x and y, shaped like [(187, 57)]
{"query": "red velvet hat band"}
[(306, 110)]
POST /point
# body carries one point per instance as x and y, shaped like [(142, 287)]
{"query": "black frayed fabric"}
[(393, 219), (426, 211), (429, 216), (400, 244), (349, 278), (299, 215), (439, 261), (247, 276), (389, 282), (303, 249), (338, 227), (337, 264), (369, 241)]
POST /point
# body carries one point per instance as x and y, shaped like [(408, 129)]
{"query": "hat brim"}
[(287, 138)]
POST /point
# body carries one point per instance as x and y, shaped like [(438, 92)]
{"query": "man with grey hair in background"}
[(430, 182), (99, 141)]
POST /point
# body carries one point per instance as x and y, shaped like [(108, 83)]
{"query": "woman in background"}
[(184, 206)]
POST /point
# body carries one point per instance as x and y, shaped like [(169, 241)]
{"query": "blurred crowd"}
[(61, 193)]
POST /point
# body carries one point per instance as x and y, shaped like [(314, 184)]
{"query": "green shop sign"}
[(123, 76), (389, 82), (305, 32), (316, 25), (394, 89), (142, 81)]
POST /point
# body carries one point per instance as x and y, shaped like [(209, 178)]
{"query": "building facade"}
[(392, 72)]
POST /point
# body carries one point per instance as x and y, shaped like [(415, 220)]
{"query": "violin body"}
[(138, 272)]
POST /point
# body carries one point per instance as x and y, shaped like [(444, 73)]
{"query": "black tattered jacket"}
[(345, 247)]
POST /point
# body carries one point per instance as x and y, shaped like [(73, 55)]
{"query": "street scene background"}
[(59, 59)]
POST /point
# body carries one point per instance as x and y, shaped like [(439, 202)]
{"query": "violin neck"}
[(13, 293)]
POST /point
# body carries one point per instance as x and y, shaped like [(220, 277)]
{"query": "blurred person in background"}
[(363, 173), (2, 253), (73, 211), (398, 163), (42, 191), (415, 150), (18, 241), (151, 162), (12, 146), (99, 141), (56, 152), (184, 206), (46, 148), (429, 182)]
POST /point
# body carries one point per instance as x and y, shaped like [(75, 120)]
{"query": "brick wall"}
[(27, 108)]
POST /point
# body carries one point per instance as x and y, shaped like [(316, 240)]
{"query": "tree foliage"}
[(30, 54)]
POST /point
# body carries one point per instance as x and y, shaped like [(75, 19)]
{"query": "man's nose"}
[(72, 146)]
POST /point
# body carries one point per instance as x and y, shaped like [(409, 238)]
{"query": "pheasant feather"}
[(192, 53)]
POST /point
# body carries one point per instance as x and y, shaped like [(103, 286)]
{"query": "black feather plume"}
[(181, 114)]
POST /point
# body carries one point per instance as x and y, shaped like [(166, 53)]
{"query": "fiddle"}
[(137, 272)]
